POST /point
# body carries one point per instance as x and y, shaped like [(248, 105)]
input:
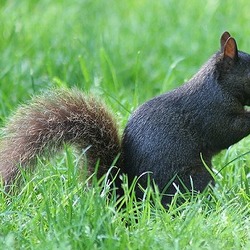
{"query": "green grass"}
[(125, 52)]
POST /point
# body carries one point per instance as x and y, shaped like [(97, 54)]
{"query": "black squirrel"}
[(164, 137)]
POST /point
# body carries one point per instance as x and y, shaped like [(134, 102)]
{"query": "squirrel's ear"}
[(230, 49), (223, 40)]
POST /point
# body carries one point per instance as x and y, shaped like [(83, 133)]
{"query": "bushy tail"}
[(55, 118)]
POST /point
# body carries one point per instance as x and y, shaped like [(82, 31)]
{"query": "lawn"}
[(124, 52)]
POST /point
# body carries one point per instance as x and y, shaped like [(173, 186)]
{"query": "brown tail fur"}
[(58, 117)]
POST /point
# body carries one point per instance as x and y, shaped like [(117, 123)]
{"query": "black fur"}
[(167, 135)]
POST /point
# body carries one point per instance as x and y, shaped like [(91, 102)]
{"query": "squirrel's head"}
[(233, 68)]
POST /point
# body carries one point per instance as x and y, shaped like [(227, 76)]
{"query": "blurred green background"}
[(130, 50), (124, 52)]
